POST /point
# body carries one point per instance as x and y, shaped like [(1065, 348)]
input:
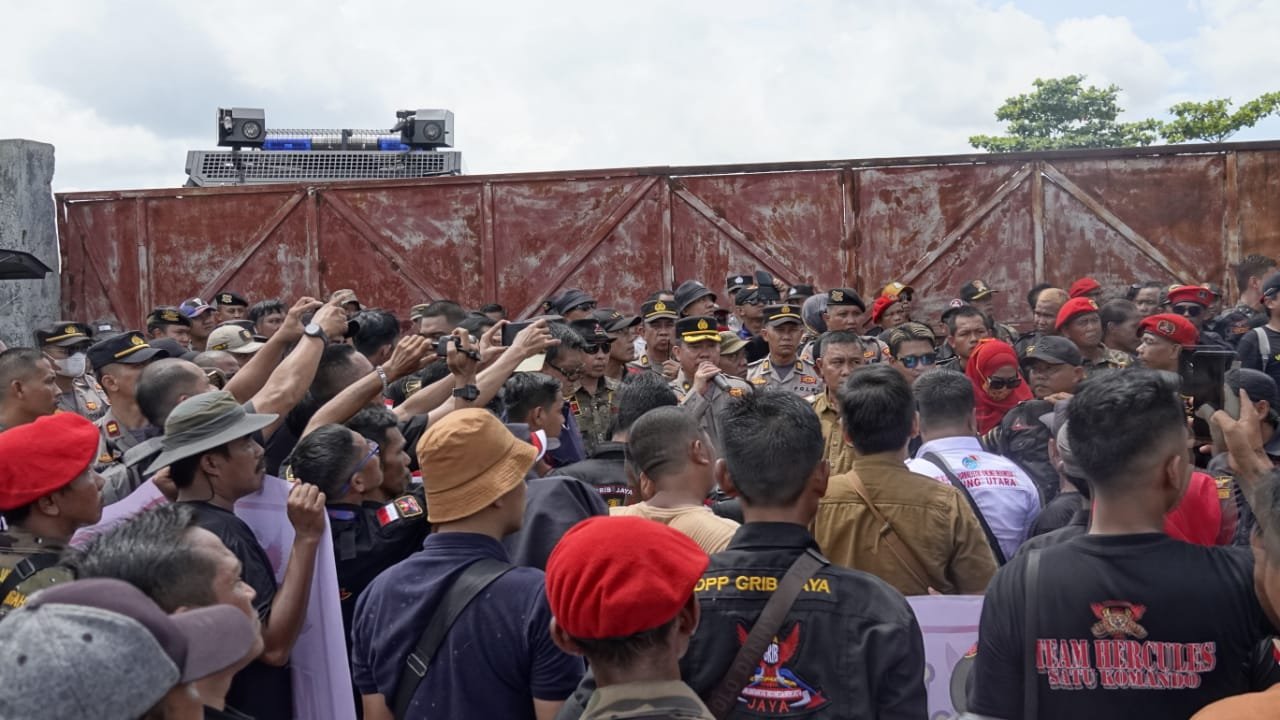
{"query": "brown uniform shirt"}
[(17, 547), (931, 519), (838, 453)]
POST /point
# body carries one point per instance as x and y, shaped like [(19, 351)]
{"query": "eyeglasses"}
[(598, 348), (999, 383), (569, 375), (911, 361), (374, 449), (1188, 309)]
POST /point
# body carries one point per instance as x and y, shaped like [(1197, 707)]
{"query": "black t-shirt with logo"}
[(1128, 626)]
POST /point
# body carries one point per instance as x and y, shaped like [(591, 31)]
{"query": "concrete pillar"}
[(27, 222)]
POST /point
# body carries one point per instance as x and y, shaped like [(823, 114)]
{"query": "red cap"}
[(884, 302), (1073, 307), (42, 456), (1173, 328), (613, 577), (1083, 287), (1191, 294)]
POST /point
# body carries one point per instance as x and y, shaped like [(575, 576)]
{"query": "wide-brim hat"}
[(470, 459), (691, 291), (204, 422), (730, 342)]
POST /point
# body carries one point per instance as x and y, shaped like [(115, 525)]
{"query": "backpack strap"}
[(973, 504), (1264, 345)]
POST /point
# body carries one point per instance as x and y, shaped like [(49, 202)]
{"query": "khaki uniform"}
[(86, 398), (595, 412), (115, 441), (803, 379), (874, 350), (1111, 360), (838, 453), (34, 560), (710, 407), (669, 699), (644, 363)]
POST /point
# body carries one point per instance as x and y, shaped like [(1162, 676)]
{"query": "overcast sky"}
[(123, 89)]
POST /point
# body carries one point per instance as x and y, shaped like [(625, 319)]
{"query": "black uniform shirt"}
[(605, 470), (849, 648)]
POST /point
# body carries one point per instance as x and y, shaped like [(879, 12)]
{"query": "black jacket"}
[(605, 470), (849, 648)]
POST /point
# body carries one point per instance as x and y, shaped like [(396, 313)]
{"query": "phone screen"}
[(511, 330)]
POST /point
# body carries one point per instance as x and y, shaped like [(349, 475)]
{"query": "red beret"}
[(613, 577), (1173, 328), (1083, 287), (1074, 307), (884, 302), (1191, 294), (42, 456)]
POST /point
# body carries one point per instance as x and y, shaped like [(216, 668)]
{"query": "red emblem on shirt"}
[(1118, 620), (776, 689)]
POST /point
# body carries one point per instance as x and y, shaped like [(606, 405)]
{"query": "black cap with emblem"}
[(64, 333), (737, 282), (656, 310), (698, 328), (799, 293), (129, 348), (591, 331), (163, 316), (614, 321), (775, 315), (229, 298), (845, 296)]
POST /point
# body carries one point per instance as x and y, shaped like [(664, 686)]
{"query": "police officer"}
[(698, 351), (65, 344), (783, 368), (595, 397), (231, 306), (980, 295), (117, 362), (844, 313), (659, 323), (48, 490), (167, 322)]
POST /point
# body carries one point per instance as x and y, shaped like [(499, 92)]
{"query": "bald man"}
[(1045, 315)]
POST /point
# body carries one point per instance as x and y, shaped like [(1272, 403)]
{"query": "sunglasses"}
[(1188, 309), (374, 450), (603, 347), (569, 375), (911, 361), (999, 383)]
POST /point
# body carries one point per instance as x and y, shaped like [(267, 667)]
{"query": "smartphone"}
[(511, 330), (442, 345), (1203, 376)]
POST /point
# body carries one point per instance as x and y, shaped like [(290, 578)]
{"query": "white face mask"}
[(73, 366)]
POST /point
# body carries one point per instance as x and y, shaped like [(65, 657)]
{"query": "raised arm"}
[(249, 379), (411, 354)]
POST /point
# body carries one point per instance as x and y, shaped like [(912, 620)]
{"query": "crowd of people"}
[(715, 506)]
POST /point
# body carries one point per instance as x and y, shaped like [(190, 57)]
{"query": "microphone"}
[(721, 382)]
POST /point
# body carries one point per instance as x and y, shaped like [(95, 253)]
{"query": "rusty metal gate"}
[(1171, 214)]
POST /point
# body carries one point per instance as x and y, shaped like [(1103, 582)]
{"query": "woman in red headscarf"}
[(997, 385)]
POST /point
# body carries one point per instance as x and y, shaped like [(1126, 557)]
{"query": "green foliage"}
[(1062, 113), (1213, 121)]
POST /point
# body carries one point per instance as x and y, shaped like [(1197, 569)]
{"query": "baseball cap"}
[(730, 343), (1271, 285), (737, 282), (845, 296), (699, 328), (795, 292), (233, 339), (194, 307), (1055, 350), (102, 644), (569, 299), (599, 588), (167, 316), (656, 310), (894, 289), (345, 296), (128, 348), (204, 422), (1171, 327), (614, 321), (468, 460), (689, 292), (1190, 293), (1083, 286), (775, 315), (39, 457), (591, 331), (65, 333), (1073, 307), (172, 348), (227, 297), (976, 290)]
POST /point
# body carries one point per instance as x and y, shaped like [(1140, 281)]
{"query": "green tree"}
[(1062, 113), (1213, 121)]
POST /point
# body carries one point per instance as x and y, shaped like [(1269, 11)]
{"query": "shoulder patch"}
[(113, 428), (808, 380), (405, 506), (735, 392), (759, 381), (105, 458)]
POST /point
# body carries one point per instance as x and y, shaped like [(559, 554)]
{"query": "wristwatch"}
[(467, 392), (314, 330)]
